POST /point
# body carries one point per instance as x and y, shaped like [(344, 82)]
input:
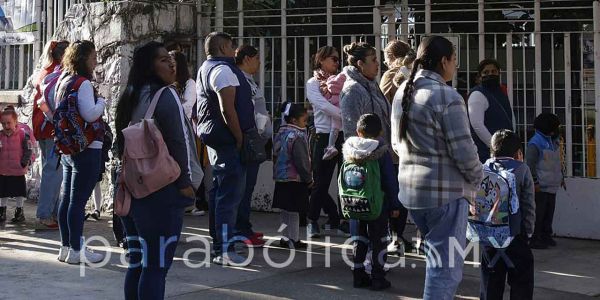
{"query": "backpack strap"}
[(154, 102)]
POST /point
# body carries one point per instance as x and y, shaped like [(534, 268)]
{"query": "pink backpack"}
[(147, 164)]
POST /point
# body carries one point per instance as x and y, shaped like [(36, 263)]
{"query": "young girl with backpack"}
[(292, 173), (15, 158), (79, 135)]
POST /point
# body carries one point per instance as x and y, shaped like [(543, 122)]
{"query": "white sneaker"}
[(74, 257), (231, 259), (330, 152), (62, 253), (198, 212)]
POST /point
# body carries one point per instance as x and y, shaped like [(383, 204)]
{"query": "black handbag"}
[(253, 147)]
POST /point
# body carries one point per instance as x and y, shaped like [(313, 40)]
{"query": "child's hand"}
[(395, 213)]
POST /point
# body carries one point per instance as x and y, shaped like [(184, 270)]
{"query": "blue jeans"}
[(443, 228), (153, 228), (229, 180), (50, 181), (80, 174), (243, 225)]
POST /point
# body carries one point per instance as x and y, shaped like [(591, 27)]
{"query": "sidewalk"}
[(29, 269)]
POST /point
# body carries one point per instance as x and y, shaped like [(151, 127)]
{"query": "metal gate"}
[(544, 70)]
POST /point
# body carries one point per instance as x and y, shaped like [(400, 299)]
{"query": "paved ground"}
[(29, 269)]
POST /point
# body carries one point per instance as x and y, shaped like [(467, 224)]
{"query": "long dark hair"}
[(429, 57), (142, 73), (183, 73), (244, 51), (75, 58)]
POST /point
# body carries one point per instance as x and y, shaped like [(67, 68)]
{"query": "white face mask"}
[(405, 71)]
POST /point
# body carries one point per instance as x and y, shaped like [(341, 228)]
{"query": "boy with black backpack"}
[(502, 219), (368, 191)]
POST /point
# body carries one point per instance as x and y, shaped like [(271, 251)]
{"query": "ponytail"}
[(409, 89)]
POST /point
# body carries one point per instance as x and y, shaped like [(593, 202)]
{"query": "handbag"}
[(253, 147)]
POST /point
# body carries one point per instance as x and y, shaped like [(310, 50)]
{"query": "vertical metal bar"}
[(200, 55), (342, 61), (524, 89), (538, 58), (552, 98), (49, 24), (596, 15), (306, 58), (38, 44), (329, 13), (568, 118), (240, 10), (468, 64), (495, 46), (377, 31), (283, 51), (582, 107), (481, 28), (272, 72), (296, 97), (404, 22), (261, 55), (21, 73), (61, 12), (219, 15), (427, 16), (7, 66), (509, 70)]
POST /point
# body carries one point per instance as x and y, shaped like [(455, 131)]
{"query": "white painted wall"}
[(577, 209)]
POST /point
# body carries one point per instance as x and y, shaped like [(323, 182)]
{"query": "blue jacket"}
[(543, 158), (211, 125)]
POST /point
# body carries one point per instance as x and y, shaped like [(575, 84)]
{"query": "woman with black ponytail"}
[(439, 167)]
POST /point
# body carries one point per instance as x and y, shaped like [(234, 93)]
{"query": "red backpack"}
[(42, 127)]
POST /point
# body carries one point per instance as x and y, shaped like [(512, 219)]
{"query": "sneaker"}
[(74, 257), (198, 212), (62, 253), (254, 242), (230, 259), (19, 216), (380, 284), (330, 152), (46, 224), (291, 244), (396, 248), (344, 229), (258, 235), (313, 230), (95, 215)]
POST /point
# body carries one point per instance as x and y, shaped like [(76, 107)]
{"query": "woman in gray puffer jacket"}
[(361, 94)]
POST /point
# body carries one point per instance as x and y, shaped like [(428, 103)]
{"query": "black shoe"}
[(2, 214), (361, 278), (96, 215), (291, 244), (19, 216), (408, 246), (380, 284), (537, 244)]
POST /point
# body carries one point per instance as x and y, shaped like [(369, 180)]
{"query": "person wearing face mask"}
[(489, 108)]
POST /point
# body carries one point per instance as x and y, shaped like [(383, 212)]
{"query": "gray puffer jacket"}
[(361, 96)]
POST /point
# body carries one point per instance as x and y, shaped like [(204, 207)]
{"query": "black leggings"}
[(322, 172)]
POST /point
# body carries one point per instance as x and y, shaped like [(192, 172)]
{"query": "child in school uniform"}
[(516, 265), (292, 173), (15, 158)]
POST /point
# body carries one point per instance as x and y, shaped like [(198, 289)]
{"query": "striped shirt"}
[(438, 161)]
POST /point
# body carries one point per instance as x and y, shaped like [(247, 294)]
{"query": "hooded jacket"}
[(357, 149)]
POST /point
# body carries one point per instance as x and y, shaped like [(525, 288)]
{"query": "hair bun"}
[(349, 49)]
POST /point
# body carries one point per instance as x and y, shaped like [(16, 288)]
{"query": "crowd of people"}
[(408, 145)]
